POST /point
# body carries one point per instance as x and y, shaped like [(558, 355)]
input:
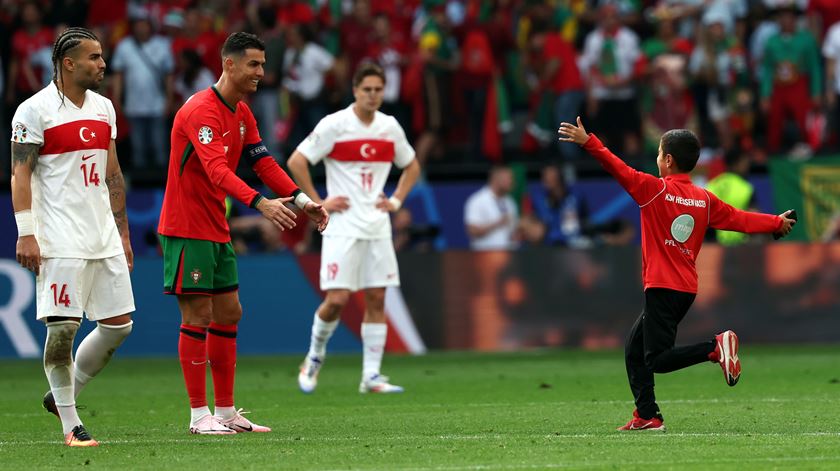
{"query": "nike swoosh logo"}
[(225, 134), (85, 157), (249, 429), (199, 362)]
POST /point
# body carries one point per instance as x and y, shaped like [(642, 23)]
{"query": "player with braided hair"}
[(72, 225)]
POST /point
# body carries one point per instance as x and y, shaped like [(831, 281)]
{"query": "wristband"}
[(395, 202), (25, 223), (302, 199)]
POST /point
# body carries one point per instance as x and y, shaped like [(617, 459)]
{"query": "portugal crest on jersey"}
[(205, 135), (242, 130), (196, 276), (19, 133)]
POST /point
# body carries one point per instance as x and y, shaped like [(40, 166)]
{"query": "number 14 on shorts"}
[(60, 294)]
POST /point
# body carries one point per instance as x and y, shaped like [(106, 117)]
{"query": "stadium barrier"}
[(489, 301)]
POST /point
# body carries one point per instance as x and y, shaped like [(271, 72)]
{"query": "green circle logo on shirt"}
[(205, 135), (682, 227)]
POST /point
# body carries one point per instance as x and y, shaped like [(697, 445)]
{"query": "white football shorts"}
[(68, 287), (354, 264)]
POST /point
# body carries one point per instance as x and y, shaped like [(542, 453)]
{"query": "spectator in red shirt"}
[(675, 215), (198, 36), (355, 32), (24, 78)]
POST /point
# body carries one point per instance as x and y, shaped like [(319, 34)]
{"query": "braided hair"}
[(66, 42)]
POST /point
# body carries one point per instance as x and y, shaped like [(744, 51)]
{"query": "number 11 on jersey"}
[(367, 180)]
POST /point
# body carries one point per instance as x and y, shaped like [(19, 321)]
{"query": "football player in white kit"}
[(68, 195), (358, 146)]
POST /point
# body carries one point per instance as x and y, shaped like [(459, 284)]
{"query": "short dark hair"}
[(367, 69), (237, 43), (683, 146)]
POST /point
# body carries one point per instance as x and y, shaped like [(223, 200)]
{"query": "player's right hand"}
[(276, 211), (787, 224), (28, 254), (336, 204)]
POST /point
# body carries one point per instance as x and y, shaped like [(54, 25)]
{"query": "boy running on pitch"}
[(675, 215)]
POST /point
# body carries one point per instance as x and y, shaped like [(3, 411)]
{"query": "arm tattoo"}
[(116, 189), (24, 154)]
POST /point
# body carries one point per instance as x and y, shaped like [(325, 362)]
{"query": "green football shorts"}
[(192, 266)]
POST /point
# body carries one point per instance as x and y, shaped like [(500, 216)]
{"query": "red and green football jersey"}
[(209, 137)]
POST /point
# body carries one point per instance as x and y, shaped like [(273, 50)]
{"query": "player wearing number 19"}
[(358, 145), (72, 224)]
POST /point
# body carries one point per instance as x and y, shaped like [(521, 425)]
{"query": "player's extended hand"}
[(336, 204), (28, 254), (276, 211), (572, 133), (129, 253), (317, 214), (787, 224), (384, 204)]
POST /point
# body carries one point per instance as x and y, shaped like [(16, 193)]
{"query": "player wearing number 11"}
[(69, 199), (358, 145)]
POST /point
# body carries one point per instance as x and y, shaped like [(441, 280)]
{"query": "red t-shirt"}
[(568, 76), (23, 46), (208, 139), (207, 45), (675, 216)]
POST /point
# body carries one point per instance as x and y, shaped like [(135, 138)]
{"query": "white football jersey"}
[(358, 161), (70, 201)]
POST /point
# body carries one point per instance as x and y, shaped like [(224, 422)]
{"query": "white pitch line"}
[(606, 464), (413, 438)]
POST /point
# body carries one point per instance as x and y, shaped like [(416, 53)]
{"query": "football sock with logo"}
[(58, 366), (321, 333), (96, 351), (373, 344), (192, 352), (221, 351)]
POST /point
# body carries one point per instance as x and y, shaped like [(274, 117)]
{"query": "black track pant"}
[(650, 346)]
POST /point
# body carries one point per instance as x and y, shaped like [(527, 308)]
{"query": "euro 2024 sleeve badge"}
[(19, 133), (205, 135)]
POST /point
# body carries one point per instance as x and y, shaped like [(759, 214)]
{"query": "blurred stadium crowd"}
[(473, 82)]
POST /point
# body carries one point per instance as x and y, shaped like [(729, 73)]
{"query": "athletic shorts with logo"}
[(71, 287), (354, 264), (193, 266)]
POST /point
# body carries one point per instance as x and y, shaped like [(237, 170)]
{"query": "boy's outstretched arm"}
[(641, 186), (726, 217)]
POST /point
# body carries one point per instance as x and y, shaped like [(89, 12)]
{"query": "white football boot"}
[(209, 425), (308, 376), (240, 424), (378, 384)]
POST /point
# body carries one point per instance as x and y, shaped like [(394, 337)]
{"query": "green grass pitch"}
[(538, 410)]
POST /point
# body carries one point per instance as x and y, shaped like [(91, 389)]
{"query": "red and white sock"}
[(192, 351), (221, 351)]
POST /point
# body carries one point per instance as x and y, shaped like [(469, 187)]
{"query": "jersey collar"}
[(680, 177), (219, 95)]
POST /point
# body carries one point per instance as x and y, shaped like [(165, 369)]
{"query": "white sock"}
[(96, 350), (321, 333), (373, 344), (58, 366), (197, 413), (225, 413)]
